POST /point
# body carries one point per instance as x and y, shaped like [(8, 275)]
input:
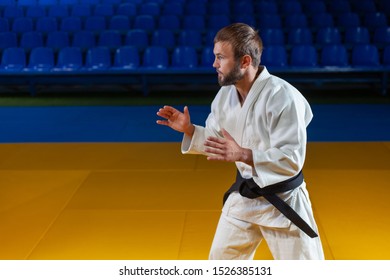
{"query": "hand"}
[(227, 149), (176, 120)]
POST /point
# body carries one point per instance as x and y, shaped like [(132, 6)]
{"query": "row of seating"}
[(156, 7), (335, 55), (124, 24), (43, 59), (169, 39), (107, 10)]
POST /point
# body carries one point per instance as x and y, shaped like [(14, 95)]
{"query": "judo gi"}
[(272, 123)]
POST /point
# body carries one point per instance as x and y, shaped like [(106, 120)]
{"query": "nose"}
[(215, 63)]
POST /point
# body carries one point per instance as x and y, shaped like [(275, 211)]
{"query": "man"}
[(258, 121)]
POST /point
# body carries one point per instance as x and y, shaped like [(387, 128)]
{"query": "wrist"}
[(247, 156), (190, 130)]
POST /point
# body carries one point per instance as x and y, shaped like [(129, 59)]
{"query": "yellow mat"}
[(148, 201)]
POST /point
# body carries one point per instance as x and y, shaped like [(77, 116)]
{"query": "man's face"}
[(229, 70)]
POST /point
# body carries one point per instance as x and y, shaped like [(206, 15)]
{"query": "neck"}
[(245, 84)]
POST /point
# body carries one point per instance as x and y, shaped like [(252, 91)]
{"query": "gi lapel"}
[(253, 95)]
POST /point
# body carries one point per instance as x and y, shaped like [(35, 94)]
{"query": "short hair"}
[(244, 40)]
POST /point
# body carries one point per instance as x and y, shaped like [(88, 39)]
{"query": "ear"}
[(246, 61)]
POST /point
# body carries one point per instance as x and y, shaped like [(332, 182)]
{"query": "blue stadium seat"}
[(112, 2), (57, 40), (194, 22), (119, 22), (4, 3), (98, 58), (173, 8), (151, 9), (35, 11), (169, 22), (266, 7), (347, 20), (190, 37), (145, 22), (84, 39), (356, 35), (217, 21), (8, 40), (163, 38), (41, 59), (386, 56), (21, 25), (375, 20), (245, 18), (13, 59), (272, 36), (208, 38), (13, 12), (195, 8), (274, 56), (4, 25), (127, 9), (69, 59), (382, 36), (384, 6), (31, 39), (137, 38), (95, 23), (314, 7), (156, 58), (58, 11), (270, 21), (365, 56), (328, 35), (207, 57), (89, 2), (110, 38), (303, 56), (71, 24), (295, 20), (334, 56), (339, 7), (300, 36), (322, 20), (243, 7), (81, 10), (26, 3), (105, 10), (185, 57), (290, 7), (126, 57), (47, 2), (364, 6), (68, 2), (46, 24), (218, 8)]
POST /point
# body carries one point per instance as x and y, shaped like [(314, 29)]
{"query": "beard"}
[(232, 77)]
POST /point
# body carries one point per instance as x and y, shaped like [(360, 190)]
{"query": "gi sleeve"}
[(195, 144)]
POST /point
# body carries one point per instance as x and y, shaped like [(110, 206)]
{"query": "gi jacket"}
[(272, 123)]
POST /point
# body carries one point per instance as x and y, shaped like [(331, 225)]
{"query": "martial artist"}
[(258, 121)]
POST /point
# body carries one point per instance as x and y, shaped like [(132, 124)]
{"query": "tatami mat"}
[(148, 201)]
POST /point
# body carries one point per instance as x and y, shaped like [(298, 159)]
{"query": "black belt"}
[(248, 188)]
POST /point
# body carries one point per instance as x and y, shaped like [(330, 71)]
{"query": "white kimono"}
[(272, 123)]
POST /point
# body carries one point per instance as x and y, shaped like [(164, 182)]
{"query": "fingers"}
[(166, 112), (226, 134), (162, 122)]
